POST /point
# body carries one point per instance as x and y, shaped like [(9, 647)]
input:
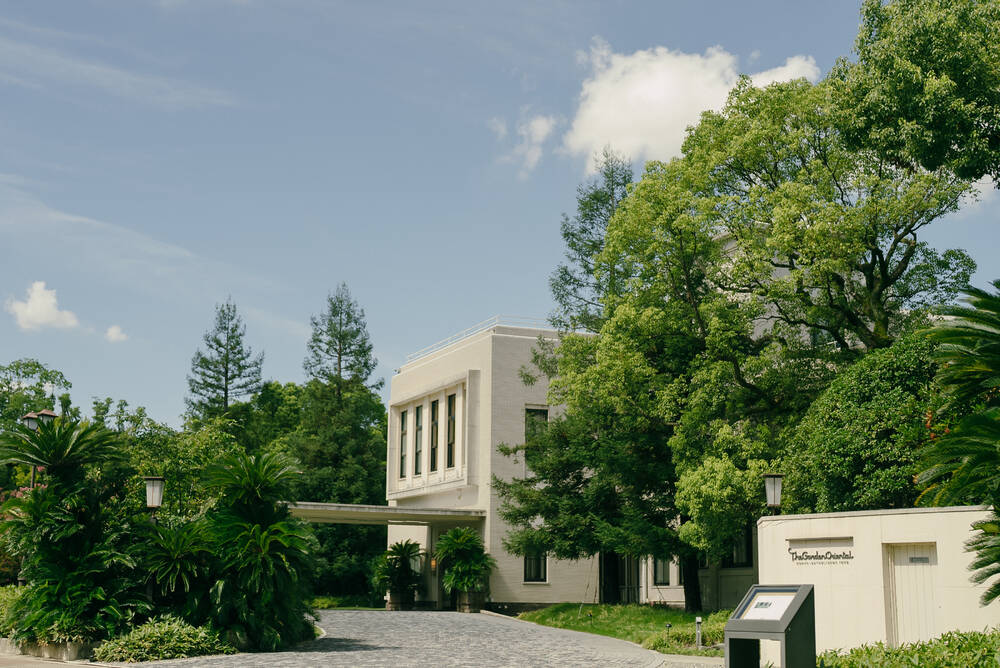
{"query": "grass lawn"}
[(642, 624), (346, 603)]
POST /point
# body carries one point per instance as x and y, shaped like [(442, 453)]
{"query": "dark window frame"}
[(402, 444), (433, 446), (450, 449), (536, 567), (733, 559), (661, 572), (534, 418), (418, 433)]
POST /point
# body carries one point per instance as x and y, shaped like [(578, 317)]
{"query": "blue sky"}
[(156, 157)]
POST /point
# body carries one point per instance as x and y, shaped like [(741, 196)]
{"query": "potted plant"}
[(398, 571), (466, 567)]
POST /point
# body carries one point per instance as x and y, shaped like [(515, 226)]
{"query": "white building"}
[(450, 406), (893, 576)]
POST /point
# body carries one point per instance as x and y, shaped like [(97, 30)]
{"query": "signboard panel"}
[(768, 605)]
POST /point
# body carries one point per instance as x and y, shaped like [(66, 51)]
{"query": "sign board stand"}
[(785, 613)]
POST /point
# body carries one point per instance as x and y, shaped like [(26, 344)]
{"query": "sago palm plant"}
[(963, 465)]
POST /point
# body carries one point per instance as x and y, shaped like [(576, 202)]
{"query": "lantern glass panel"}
[(154, 492)]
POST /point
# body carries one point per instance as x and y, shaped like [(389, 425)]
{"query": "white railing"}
[(506, 320)]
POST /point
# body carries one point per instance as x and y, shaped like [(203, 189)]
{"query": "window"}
[(661, 572), (434, 436), (535, 420), (534, 567), (418, 435), (402, 444), (742, 554), (450, 452)]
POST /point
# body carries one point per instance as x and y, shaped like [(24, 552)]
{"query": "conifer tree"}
[(340, 348), (227, 369)]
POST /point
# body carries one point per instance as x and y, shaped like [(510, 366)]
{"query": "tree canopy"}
[(227, 369)]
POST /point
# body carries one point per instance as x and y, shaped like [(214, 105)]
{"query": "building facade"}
[(892, 576), (450, 407)]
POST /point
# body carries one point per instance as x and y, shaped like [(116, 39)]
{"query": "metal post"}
[(697, 632)]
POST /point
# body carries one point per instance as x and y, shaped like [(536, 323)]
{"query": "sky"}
[(159, 157)]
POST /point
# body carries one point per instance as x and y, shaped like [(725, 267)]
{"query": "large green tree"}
[(825, 237), (575, 287), (226, 370), (925, 88)]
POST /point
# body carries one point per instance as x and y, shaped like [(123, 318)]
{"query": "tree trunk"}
[(692, 585)]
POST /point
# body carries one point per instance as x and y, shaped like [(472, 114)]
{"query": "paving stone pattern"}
[(397, 639)]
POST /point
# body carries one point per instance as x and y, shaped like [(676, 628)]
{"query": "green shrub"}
[(973, 649), (162, 638), (8, 596)]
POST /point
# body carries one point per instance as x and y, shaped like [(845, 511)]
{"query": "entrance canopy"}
[(352, 513)]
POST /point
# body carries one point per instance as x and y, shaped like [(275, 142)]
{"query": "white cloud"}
[(29, 65), (532, 133), (115, 334), (498, 126), (40, 310), (641, 104)]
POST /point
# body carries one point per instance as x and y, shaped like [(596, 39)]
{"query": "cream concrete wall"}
[(484, 369), (649, 592), (854, 604)]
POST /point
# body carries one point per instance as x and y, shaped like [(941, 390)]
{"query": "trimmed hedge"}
[(956, 649), (162, 638)]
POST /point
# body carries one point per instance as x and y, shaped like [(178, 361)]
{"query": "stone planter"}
[(61, 651), (470, 601), (400, 600)]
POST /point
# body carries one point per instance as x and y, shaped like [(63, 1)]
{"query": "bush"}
[(973, 649), (8, 596), (162, 638)]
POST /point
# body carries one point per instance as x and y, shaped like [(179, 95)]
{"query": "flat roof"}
[(885, 511), (495, 321), (353, 513)]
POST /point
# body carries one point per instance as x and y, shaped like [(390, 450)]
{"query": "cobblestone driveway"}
[(397, 639)]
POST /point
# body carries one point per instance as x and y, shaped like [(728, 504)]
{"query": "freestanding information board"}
[(785, 613)]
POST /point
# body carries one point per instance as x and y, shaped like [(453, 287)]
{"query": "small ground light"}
[(668, 626), (697, 632)]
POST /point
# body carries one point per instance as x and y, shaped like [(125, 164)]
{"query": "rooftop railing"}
[(503, 320)]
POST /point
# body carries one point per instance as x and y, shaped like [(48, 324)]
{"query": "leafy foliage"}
[(260, 594), (226, 370), (955, 649), (394, 570), (463, 560), (926, 85), (77, 557), (27, 385), (857, 446), (162, 638), (575, 288)]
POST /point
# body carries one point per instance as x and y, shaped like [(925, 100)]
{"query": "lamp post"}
[(772, 487), (31, 420), (154, 494)]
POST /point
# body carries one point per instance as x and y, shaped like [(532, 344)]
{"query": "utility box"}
[(785, 613)]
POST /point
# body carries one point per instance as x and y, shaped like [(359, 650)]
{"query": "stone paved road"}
[(398, 639)]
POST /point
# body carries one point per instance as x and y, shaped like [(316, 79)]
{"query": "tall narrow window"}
[(418, 433), (661, 572), (535, 420), (534, 567), (450, 450), (434, 436), (402, 444)]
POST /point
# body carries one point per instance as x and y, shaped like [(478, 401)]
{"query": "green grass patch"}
[(359, 602), (642, 624), (956, 649)]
